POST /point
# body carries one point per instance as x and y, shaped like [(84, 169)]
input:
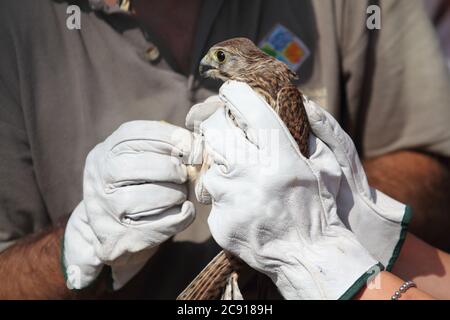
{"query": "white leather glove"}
[(270, 206), (378, 221), (134, 198)]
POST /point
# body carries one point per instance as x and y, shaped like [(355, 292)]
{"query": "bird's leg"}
[(232, 291)]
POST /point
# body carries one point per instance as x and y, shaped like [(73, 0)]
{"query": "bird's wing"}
[(291, 110)]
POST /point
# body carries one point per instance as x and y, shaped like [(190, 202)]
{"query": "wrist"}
[(384, 285)]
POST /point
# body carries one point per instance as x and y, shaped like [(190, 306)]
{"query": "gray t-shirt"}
[(64, 91)]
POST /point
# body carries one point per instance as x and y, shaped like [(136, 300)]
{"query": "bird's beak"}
[(204, 67)]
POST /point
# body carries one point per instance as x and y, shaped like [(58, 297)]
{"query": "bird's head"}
[(234, 59)]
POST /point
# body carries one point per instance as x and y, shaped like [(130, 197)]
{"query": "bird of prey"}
[(239, 59)]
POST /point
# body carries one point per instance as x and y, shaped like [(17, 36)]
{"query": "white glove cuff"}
[(127, 266), (330, 270), (380, 226), (79, 262)]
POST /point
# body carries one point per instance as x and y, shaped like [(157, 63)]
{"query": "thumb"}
[(327, 129), (202, 111)]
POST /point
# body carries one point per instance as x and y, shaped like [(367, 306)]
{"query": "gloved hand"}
[(134, 198), (378, 221), (270, 206)]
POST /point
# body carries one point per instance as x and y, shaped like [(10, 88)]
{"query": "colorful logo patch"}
[(282, 44)]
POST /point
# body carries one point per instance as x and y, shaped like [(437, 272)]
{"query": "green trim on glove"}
[(109, 279), (61, 259), (405, 223), (361, 282), (63, 266), (354, 289)]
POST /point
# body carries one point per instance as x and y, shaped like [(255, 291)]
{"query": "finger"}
[(178, 221), (328, 167), (327, 129), (169, 223), (145, 202), (202, 111), (214, 98), (252, 113), (135, 167), (145, 233), (154, 136), (222, 139)]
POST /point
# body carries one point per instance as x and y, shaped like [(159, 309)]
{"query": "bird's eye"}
[(220, 56)]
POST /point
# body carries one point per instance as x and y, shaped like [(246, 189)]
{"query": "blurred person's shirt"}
[(439, 11), (64, 91)]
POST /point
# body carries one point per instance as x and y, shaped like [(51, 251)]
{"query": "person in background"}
[(64, 92)]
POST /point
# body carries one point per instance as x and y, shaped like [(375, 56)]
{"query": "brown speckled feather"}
[(292, 111)]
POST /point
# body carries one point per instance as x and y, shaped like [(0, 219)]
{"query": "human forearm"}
[(426, 265), (31, 269), (383, 287), (421, 181)]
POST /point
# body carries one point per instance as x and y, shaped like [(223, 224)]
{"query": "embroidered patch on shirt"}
[(284, 45)]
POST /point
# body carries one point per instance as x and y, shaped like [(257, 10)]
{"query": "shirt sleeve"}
[(22, 210), (396, 80)]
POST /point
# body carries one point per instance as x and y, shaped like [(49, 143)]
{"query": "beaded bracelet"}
[(404, 287)]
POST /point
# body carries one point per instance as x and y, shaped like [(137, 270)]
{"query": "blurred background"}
[(439, 11)]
